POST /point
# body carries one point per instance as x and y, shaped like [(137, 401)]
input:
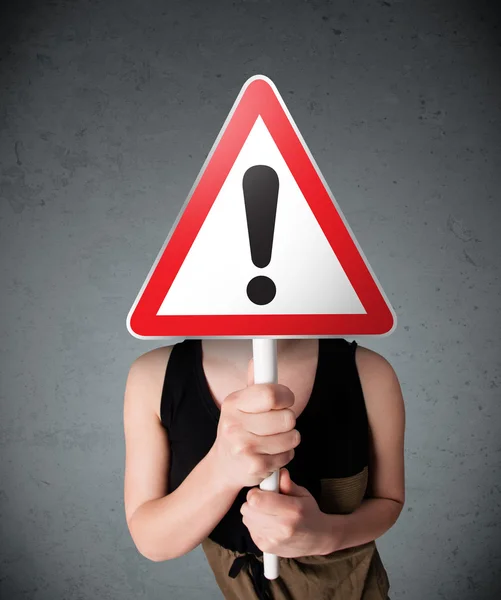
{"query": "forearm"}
[(171, 526), (371, 520)]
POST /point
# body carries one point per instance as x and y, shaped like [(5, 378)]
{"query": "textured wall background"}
[(108, 109)]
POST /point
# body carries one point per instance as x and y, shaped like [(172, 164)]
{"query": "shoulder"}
[(145, 379), (380, 384), (372, 365), (150, 361)]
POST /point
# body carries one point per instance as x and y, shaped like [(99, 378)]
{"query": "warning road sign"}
[(260, 247)]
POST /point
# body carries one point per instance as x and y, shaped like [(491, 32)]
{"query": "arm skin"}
[(156, 519), (386, 487)]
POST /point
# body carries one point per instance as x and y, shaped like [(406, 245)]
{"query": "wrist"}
[(333, 528), (217, 474)]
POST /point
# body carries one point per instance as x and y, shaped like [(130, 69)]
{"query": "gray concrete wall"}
[(108, 110)]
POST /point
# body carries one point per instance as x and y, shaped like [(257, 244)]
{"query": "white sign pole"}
[(266, 371)]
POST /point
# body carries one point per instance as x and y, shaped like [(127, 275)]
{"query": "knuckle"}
[(256, 500), (254, 465), (270, 543), (263, 544), (286, 531), (228, 426), (239, 447)]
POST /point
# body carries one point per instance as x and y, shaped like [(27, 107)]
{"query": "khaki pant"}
[(350, 574)]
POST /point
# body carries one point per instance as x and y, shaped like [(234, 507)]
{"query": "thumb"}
[(288, 487)]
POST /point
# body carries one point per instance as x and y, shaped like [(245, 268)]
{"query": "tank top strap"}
[(179, 369)]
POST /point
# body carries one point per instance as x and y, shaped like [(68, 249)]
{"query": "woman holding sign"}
[(200, 436)]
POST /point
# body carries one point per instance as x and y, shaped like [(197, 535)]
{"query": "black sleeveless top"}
[(333, 427)]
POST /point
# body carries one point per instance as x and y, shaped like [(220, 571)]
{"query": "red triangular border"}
[(259, 96)]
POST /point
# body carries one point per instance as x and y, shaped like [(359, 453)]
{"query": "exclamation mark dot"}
[(260, 187)]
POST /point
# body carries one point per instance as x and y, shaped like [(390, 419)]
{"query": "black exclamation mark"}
[(260, 185)]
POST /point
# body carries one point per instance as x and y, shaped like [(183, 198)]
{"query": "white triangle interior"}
[(307, 274)]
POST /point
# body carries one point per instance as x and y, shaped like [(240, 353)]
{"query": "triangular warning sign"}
[(260, 247)]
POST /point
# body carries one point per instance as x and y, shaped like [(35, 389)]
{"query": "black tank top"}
[(333, 427)]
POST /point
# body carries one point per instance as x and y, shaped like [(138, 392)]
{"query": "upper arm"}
[(146, 443), (386, 416)]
